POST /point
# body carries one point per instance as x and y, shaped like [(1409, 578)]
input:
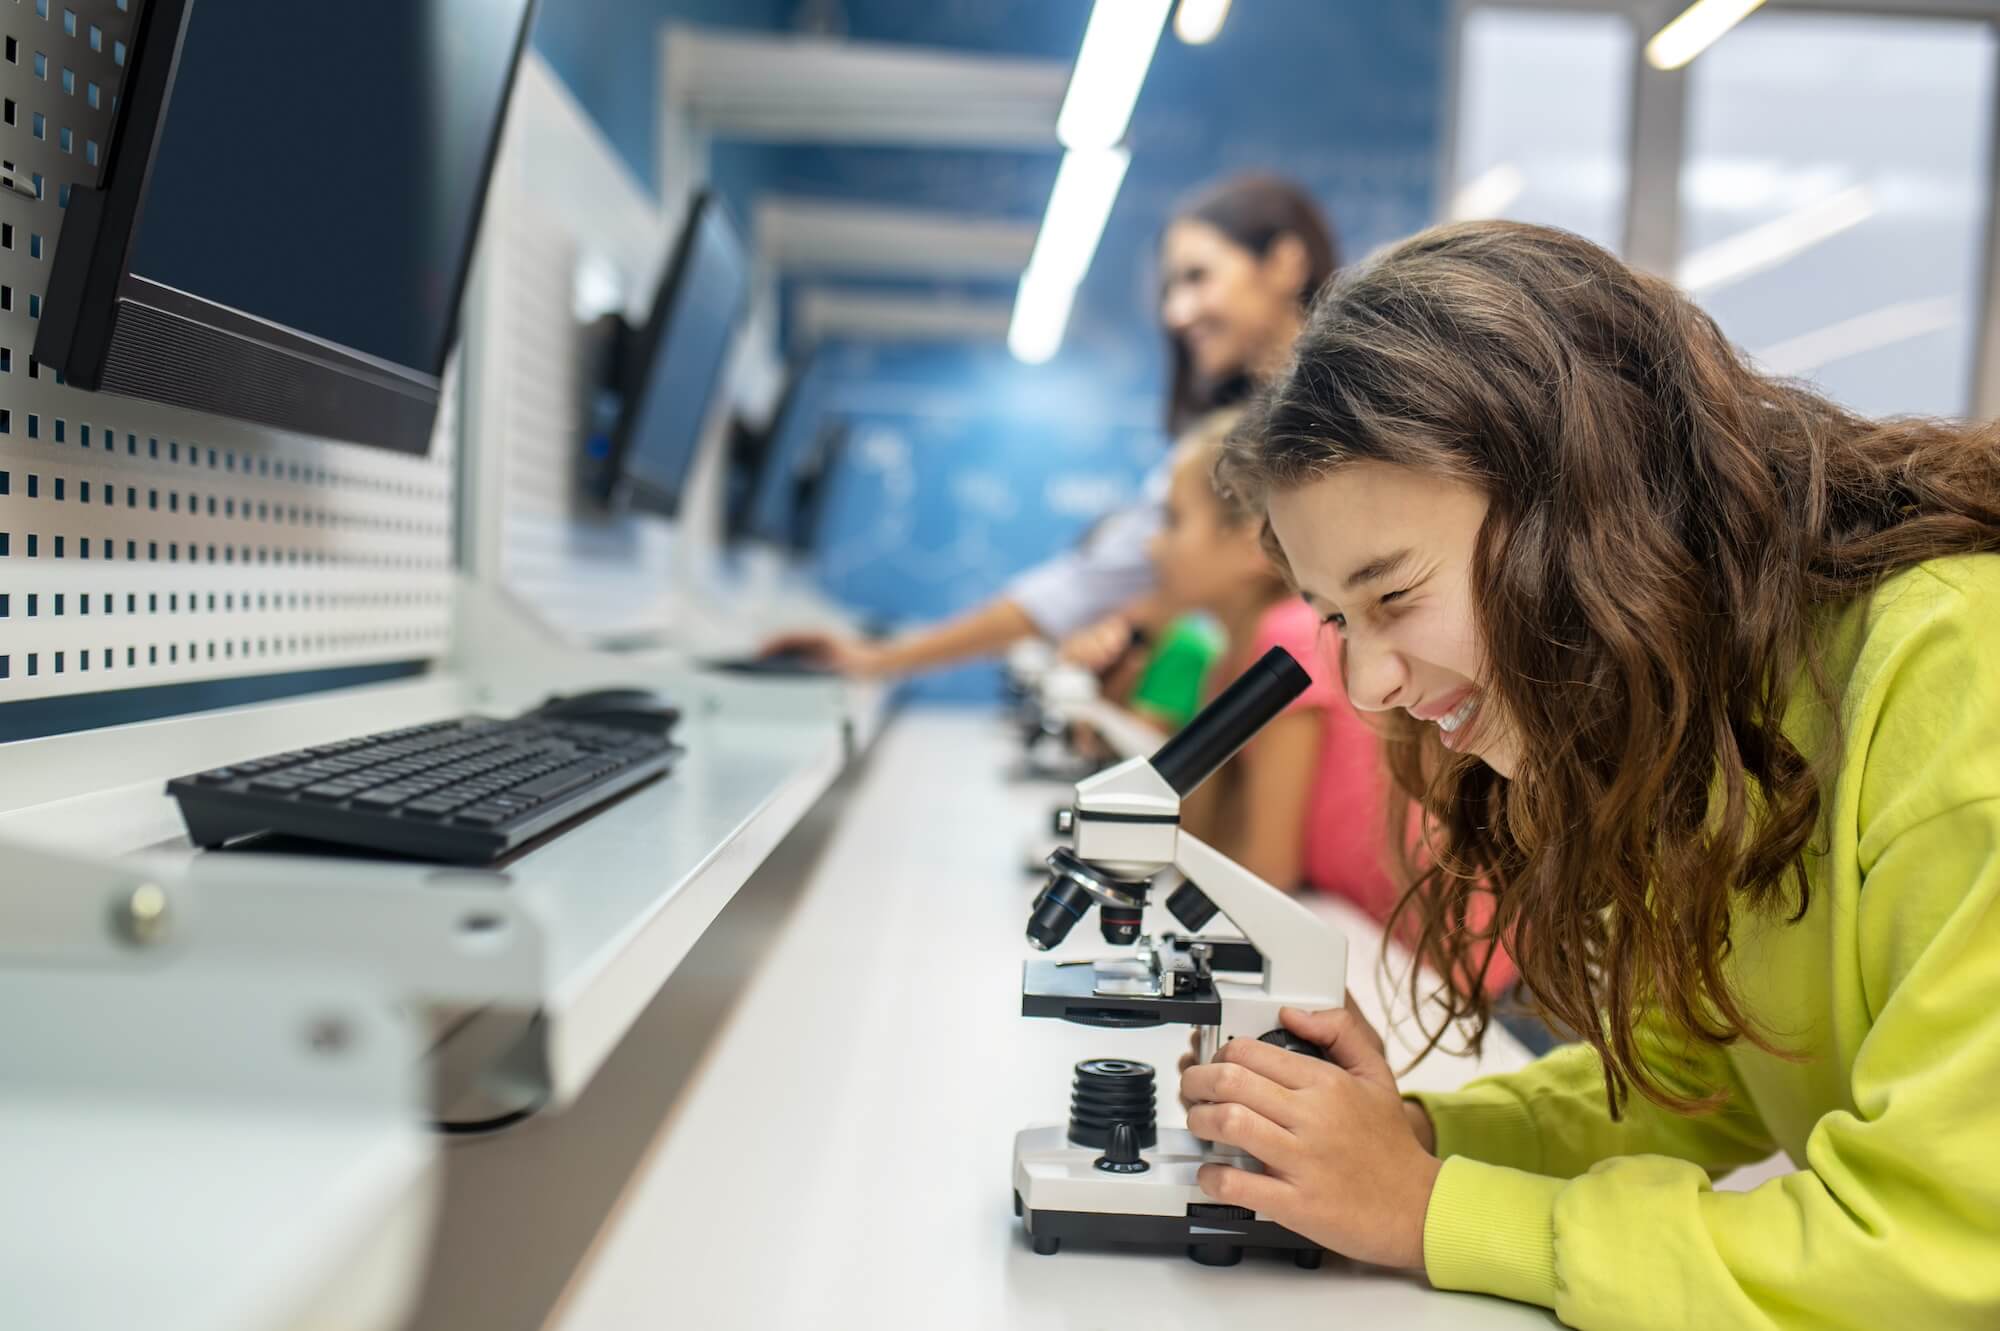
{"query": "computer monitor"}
[(753, 452), (793, 436), (677, 362), (287, 211), (814, 487)]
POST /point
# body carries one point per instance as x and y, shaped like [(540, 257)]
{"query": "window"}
[(1820, 179), (1834, 199), (1543, 117)]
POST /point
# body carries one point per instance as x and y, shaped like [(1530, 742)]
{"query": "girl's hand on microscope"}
[(1350, 1019), (1343, 1160), (1097, 647)]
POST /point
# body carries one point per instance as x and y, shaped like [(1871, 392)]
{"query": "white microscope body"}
[(1109, 1173)]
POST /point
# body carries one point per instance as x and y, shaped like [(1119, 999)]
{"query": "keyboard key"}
[(480, 817), (216, 776), (428, 808), (555, 783), (325, 792), (388, 797)]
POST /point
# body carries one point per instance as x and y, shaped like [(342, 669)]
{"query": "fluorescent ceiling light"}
[(1766, 246), (1041, 313), (1110, 69), (1864, 332), (1086, 187), (1079, 205), (1197, 22), (1488, 194), (1697, 29)]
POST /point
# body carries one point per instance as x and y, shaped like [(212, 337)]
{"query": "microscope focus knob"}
[(1284, 1039), (1121, 1152), (1064, 821)]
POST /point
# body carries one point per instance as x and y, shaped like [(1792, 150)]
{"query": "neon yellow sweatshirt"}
[(1889, 987)]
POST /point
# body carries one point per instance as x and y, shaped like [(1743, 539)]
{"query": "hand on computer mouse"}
[(1343, 1164), (849, 656)]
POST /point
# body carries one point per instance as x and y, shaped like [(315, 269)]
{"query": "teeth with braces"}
[(1459, 715)]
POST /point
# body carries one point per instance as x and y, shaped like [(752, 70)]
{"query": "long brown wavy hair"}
[(1666, 529)]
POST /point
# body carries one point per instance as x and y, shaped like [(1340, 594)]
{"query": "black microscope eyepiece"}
[(1228, 723)]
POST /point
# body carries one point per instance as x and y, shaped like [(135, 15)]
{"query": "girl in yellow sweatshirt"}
[(1699, 675)]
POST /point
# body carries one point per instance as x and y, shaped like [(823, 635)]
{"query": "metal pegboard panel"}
[(141, 544), (564, 213)]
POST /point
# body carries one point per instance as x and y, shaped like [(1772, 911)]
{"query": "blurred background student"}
[(1303, 802), (1238, 265)]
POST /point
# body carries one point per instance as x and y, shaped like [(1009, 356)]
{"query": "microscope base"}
[(1059, 1193)]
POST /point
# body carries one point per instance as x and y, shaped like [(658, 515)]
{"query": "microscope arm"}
[(1303, 952)]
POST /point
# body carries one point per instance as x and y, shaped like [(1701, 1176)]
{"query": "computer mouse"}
[(628, 709)]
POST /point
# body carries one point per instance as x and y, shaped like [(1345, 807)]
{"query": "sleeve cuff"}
[(1050, 595), (1491, 1230), (1483, 1123)]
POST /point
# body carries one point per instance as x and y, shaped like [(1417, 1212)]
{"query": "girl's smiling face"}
[(1384, 554)]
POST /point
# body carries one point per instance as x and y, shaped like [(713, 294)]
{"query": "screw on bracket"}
[(329, 1035), (141, 919)]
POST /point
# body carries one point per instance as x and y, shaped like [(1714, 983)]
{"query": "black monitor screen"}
[(794, 434), (320, 164), (815, 487), (681, 354), (753, 454)]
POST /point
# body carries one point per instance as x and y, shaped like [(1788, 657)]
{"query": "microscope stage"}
[(1110, 993)]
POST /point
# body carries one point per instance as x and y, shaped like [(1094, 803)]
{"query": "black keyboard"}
[(466, 791)]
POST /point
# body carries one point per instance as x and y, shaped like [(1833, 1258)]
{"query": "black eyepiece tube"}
[(1226, 725)]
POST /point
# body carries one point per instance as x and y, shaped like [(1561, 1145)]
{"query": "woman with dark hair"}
[(1238, 265), (1695, 676), (1229, 311)]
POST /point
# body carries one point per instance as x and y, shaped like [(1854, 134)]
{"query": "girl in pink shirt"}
[(1304, 803)]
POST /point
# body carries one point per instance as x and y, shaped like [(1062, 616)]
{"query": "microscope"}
[(1110, 1173), (1048, 698)]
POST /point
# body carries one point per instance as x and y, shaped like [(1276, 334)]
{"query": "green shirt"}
[(1889, 988), (1169, 691)]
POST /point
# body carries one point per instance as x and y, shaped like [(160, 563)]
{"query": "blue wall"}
[(963, 468)]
